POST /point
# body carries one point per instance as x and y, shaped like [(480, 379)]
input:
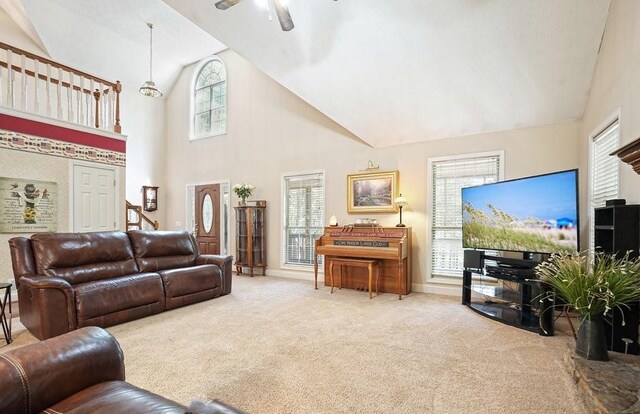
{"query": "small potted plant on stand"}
[(593, 289), (243, 191)]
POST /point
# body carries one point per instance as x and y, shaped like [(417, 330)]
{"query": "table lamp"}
[(400, 201)]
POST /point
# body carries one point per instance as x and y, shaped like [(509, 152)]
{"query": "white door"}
[(94, 193)]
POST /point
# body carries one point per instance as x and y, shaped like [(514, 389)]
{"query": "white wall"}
[(616, 87), (12, 34), (143, 121), (272, 131)]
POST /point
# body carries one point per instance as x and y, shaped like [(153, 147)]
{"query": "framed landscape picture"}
[(372, 192)]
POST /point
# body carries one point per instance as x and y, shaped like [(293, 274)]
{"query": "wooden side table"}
[(4, 304)]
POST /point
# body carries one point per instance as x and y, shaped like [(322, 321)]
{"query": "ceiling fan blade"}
[(225, 4), (283, 15)]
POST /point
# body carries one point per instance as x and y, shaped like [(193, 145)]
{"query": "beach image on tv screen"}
[(536, 214)]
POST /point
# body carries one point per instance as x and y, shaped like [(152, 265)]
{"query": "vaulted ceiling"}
[(389, 71), (110, 38)]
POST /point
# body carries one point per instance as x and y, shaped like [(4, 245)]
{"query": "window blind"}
[(449, 176), (604, 171), (303, 221)]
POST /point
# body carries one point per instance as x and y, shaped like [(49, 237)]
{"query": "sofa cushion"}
[(191, 284), (159, 250), (116, 397), (133, 296), (83, 257)]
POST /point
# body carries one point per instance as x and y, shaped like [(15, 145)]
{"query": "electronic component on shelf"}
[(511, 272)]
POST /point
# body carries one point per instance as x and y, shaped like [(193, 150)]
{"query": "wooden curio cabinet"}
[(251, 238)]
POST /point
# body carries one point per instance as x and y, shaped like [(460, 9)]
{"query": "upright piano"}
[(390, 245)]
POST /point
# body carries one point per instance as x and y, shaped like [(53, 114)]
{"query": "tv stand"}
[(520, 307)]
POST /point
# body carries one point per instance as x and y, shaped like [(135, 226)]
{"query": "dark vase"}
[(591, 342)]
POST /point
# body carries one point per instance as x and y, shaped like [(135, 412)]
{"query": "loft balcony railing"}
[(37, 85)]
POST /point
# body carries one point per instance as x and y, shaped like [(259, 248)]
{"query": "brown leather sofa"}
[(69, 280), (80, 372)]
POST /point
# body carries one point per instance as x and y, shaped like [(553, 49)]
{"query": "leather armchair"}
[(81, 371)]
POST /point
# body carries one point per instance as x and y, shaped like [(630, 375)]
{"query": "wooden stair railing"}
[(135, 218), (69, 94)]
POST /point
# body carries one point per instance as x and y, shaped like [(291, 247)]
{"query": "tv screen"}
[(533, 214)]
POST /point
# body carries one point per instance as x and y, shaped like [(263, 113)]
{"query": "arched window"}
[(209, 99)]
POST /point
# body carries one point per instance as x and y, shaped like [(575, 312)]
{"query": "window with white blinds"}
[(604, 171), (448, 177), (303, 216)]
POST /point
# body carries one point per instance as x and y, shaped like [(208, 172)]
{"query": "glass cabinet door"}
[(242, 238), (258, 236)]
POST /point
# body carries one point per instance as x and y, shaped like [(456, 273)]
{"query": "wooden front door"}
[(207, 198)]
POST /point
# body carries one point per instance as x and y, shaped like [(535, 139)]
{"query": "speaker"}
[(616, 202), (473, 259), (621, 329)]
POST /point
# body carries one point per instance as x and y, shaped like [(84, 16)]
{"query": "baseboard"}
[(438, 289), (443, 289), (295, 274)]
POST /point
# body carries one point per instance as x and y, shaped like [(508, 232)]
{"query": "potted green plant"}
[(593, 287)]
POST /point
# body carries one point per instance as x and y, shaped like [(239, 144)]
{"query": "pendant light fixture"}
[(149, 88)]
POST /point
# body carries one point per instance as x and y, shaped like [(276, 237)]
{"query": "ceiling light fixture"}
[(279, 6), (149, 88), (286, 23)]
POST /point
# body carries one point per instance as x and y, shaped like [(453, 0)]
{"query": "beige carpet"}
[(279, 346)]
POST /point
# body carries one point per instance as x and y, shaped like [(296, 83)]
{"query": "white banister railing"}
[(78, 97)]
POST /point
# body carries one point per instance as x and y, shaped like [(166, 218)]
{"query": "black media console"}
[(526, 304)]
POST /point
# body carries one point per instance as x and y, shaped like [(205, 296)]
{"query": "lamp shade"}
[(149, 89), (400, 200)]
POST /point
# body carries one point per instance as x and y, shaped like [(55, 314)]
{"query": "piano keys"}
[(390, 245)]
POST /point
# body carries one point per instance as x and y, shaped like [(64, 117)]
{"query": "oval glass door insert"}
[(207, 213)]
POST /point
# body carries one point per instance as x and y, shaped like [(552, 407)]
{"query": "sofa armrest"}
[(35, 377), (47, 305), (224, 262), (47, 282)]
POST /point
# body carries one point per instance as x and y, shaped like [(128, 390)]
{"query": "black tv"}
[(536, 214)]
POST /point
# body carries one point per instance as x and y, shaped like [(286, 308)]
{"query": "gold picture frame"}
[(372, 192)]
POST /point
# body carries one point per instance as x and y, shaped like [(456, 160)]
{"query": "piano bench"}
[(369, 264)]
